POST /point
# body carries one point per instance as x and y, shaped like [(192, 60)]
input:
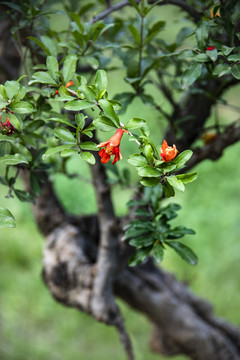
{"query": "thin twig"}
[(196, 15)]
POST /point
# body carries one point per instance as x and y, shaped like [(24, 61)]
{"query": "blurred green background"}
[(34, 326)]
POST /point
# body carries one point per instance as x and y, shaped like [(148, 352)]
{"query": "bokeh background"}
[(35, 326)]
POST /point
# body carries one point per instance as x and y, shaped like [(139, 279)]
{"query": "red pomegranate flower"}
[(7, 128), (111, 147), (168, 153)]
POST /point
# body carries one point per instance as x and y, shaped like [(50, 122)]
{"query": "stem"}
[(141, 47)]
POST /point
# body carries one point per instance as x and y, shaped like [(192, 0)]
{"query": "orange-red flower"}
[(7, 128), (70, 83), (168, 153), (111, 147)]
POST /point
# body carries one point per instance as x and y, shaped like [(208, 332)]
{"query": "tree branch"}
[(196, 15)]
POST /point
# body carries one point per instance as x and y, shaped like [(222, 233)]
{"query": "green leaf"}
[(3, 93), (42, 77), (65, 135), (21, 107), (15, 121), (221, 69), (135, 123), (77, 105), (20, 149), (157, 252), (13, 159), (69, 152), (148, 171), (6, 218), (35, 186), (101, 80), (40, 43), (139, 256), (104, 123), (80, 120), (12, 88), (52, 65), (108, 110), (202, 35), (5, 148), (63, 120), (149, 181), (187, 178), (54, 150), (182, 158), (87, 156), (142, 241), (192, 73), (184, 251), (88, 145), (50, 45), (69, 68), (24, 196), (235, 70), (137, 160), (168, 190), (180, 231), (176, 183), (135, 34), (212, 54)]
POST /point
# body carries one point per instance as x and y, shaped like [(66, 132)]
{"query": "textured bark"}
[(183, 323)]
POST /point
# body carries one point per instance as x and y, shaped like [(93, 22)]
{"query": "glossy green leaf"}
[(187, 178), (157, 252), (69, 152), (20, 149), (137, 160), (104, 123), (15, 121), (235, 70), (88, 145), (168, 189), (54, 150), (108, 110), (101, 80), (52, 65), (135, 123), (87, 156), (176, 183), (139, 256), (24, 196), (69, 68), (77, 105), (42, 77), (13, 159), (202, 34), (21, 107), (65, 135), (192, 73), (148, 171), (184, 251), (182, 158), (6, 218), (62, 120), (149, 181)]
